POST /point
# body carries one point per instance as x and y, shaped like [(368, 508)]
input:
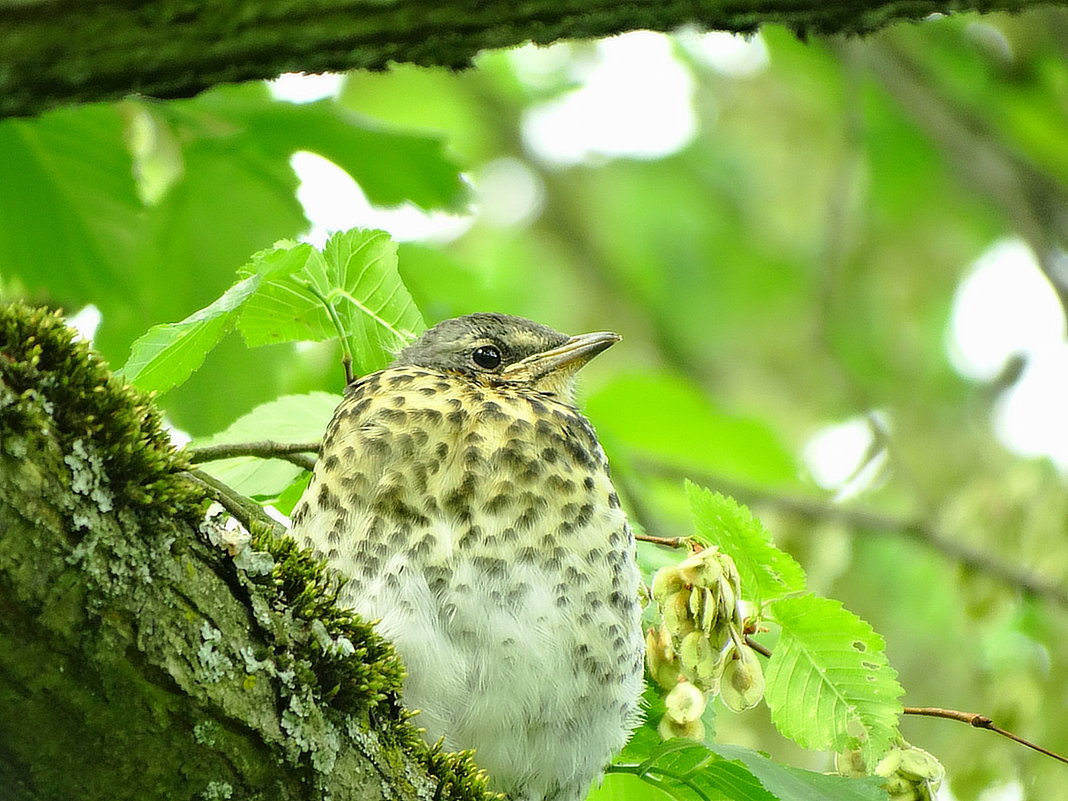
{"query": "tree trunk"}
[(59, 52), (140, 660)]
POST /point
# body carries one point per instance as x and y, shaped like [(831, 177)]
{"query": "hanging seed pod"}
[(667, 580), (661, 659), (685, 704), (700, 663), (703, 568), (690, 731), (742, 684), (675, 610)]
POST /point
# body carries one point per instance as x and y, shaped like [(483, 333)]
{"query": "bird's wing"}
[(351, 461)]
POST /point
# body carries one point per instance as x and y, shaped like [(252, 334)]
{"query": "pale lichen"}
[(217, 791), (87, 476), (214, 664)]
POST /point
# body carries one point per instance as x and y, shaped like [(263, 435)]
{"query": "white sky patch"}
[(333, 201), (179, 438), (1029, 417), (277, 516), (541, 67), (727, 53), (85, 322), (299, 87), (635, 101), (1004, 306), (840, 456), (509, 193)]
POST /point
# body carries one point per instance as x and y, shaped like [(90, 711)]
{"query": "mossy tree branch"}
[(138, 657), (59, 52)]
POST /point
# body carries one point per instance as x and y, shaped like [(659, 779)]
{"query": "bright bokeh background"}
[(831, 264)]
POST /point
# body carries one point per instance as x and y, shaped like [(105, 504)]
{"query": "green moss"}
[(333, 669), (46, 372), (457, 774), (354, 668)]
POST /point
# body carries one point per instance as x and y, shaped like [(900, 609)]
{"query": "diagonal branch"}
[(862, 520)]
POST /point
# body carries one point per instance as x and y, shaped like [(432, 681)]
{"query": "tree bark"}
[(58, 52), (140, 660)]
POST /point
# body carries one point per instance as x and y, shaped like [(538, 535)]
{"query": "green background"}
[(792, 267)]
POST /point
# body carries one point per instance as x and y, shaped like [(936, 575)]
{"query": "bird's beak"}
[(567, 358)]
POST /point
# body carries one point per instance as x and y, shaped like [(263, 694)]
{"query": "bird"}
[(470, 507)]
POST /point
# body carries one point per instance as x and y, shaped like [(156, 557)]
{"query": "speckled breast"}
[(479, 525)]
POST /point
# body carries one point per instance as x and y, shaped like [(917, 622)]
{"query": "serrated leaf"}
[(291, 418), (391, 165), (287, 309), (355, 277), (829, 685), (795, 784), (766, 572), (381, 315), (686, 770), (168, 354)]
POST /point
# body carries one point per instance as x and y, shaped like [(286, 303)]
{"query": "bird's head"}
[(497, 349)]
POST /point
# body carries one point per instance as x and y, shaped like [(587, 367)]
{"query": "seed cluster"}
[(910, 773), (699, 648)]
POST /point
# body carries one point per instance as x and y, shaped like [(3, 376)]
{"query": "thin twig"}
[(971, 718), (295, 452), (874, 522), (669, 542), (761, 649), (980, 722)]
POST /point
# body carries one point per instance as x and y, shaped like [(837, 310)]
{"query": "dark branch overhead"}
[(69, 51)]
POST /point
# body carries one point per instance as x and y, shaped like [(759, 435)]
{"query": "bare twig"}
[(669, 542), (874, 522), (971, 718), (763, 650), (980, 722), (295, 452)]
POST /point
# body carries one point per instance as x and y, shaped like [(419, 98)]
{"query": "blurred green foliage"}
[(791, 267)]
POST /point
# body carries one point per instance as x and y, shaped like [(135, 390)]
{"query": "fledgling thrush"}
[(469, 504)]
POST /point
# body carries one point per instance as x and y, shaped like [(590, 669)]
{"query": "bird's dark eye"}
[(487, 356)]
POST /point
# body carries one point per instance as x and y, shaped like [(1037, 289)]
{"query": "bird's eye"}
[(487, 357)]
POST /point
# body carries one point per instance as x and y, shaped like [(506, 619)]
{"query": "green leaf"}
[(795, 784), (354, 278), (168, 354), (291, 418), (687, 771), (69, 211), (829, 685), (766, 572), (288, 498), (286, 309), (390, 165), (380, 314)]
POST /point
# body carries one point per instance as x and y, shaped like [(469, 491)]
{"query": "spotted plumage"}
[(470, 505)]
